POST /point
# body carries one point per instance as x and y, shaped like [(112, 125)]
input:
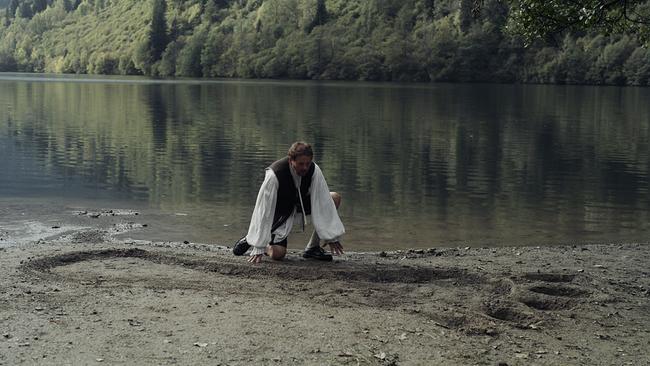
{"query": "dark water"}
[(418, 165)]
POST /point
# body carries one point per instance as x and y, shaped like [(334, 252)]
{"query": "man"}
[(293, 189)]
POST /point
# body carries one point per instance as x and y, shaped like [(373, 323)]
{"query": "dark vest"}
[(288, 194)]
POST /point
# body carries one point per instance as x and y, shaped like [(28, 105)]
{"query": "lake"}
[(418, 165)]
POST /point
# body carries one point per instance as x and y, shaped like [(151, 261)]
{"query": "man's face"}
[(301, 164)]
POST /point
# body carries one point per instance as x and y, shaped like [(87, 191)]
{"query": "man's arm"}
[(259, 231), (326, 219)]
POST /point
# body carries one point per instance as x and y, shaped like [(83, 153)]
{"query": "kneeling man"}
[(293, 190)]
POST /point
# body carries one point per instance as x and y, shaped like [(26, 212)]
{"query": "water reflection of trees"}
[(445, 157)]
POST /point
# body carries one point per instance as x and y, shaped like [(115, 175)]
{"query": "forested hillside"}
[(393, 40)]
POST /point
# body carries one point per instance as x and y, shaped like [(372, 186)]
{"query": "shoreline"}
[(83, 299)]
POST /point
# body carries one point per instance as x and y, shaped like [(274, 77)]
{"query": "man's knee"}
[(336, 197), (276, 252)]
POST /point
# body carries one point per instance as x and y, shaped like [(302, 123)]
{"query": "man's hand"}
[(255, 258), (335, 247)]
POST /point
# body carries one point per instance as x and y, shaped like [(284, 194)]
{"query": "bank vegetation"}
[(375, 40)]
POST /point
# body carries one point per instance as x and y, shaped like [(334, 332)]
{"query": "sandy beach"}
[(89, 296)]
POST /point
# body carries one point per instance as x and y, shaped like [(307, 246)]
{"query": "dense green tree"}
[(142, 57), (167, 64), (593, 48), (611, 60), (399, 55), (572, 62), (442, 57), (465, 15), (542, 18), (158, 31), (474, 49), (67, 5), (25, 10), (39, 6), (12, 8), (189, 57), (317, 53), (370, 65), (126, 66), (217, 42), (429, 8), (7, 61), (210, 12), (637, 67), (98, 6), (103, 63), (320, 16)]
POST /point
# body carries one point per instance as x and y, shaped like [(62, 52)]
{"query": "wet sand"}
[(87, 297)]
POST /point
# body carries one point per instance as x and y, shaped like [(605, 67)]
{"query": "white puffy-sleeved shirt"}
[(324, 216)]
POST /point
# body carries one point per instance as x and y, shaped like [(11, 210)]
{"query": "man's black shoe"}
[(241, 247), (317, 253)]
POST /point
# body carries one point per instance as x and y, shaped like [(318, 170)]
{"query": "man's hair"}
[(300, 149)]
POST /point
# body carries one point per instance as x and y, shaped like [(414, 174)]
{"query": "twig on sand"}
[(441, 325)]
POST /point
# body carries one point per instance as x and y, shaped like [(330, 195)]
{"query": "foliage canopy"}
[(542, 18), (394, 40)]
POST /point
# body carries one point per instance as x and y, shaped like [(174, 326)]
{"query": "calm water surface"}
[(418, 165)]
